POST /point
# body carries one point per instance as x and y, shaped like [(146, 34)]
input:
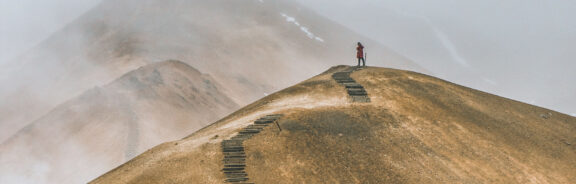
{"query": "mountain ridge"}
[(233, 41), (416, 129), (108, 125)]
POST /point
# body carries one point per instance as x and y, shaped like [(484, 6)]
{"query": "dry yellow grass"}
[(417, 129)]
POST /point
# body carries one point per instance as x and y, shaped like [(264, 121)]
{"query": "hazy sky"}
[(489, 27), (24, 23), (522, 49)]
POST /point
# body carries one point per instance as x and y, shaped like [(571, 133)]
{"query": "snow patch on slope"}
[(302, 28)]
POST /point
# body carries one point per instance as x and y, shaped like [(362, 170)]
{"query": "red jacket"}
[(360, 51)]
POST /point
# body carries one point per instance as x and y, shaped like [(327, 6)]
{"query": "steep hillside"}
[(236, 42), (412, 129), (108, 125)]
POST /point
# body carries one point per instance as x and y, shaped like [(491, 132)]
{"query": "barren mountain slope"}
[(415, 129), (236, 42), (108, 125)]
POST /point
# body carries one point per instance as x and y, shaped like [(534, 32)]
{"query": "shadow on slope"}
[(417, 129)]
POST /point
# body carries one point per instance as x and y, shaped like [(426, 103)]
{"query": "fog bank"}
[(25, 23), (518, 49)]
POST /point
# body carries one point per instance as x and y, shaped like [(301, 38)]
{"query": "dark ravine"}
[(233, 149), (355, 90)]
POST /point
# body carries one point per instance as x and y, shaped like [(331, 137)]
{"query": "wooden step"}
[(234, 172), (237, 160), (342, 78), (274, 115), (230, 144), (241, 137), (253, 128), (263, 121), (236, 179), (353, 86), (233, 150), (233, 169), (234, 155), (231, 141), (262, 126), (356, 89), (239, 175), (233, 147), (357, 93), (249, 131)]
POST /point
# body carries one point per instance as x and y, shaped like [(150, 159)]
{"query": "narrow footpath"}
[(233, 149), (355, 90)]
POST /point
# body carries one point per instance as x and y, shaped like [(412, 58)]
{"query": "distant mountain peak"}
[(107, 125)]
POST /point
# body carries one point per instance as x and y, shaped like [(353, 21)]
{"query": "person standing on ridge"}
[(360, 54)]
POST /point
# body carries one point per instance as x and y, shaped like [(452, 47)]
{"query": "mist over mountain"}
[(108, 125), (519, 49), (130, 74), (234, 41), (92, 100)]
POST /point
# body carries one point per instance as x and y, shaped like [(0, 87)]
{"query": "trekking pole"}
[(365, 56)]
